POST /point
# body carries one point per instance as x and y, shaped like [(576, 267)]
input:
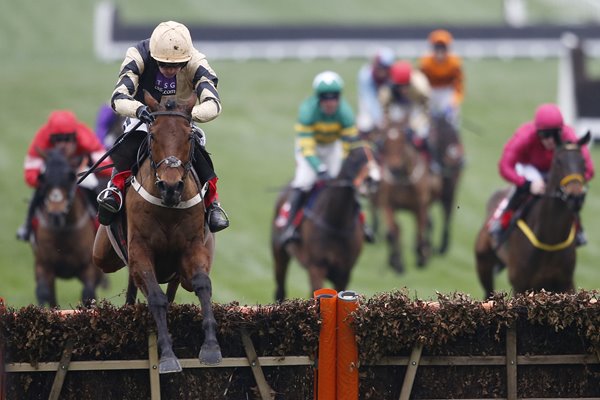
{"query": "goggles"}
[(171, 65), (63, 137), (329, 96), (548, 133)]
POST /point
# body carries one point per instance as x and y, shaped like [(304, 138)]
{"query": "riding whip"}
[(117, 143)]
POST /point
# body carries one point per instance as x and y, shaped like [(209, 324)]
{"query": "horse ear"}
[(150, 101), (585, 139)]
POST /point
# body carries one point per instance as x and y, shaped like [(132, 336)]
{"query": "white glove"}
[(537, 187)]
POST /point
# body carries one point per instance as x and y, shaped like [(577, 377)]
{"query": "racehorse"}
[(64, 233), (331, 232), (167, 239), (539, 253), (448, 152), (407, 184)]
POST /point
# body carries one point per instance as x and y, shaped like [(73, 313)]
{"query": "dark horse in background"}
[(64, 231), (167, 239), (447, 150), (539, 251), (407, 184), (331, 231)]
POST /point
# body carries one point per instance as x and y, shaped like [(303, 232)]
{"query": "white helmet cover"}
[(171, 42)]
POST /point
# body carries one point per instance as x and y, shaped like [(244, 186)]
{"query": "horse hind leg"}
[(131, 294), (210, 352)]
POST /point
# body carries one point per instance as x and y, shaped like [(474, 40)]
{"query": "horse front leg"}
[(45, 291), (210, 352), (423, 249), (485, 260), (395, 259), (157, 303), (90, 278), (447, 201), (281, 260)]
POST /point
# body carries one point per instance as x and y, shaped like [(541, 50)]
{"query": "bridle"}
[(171, 161)]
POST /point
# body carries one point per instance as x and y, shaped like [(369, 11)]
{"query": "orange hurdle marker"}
[(347, 349), (325, 374)]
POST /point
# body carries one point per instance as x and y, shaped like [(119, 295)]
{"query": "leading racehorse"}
[(167, 239), (539, 252), (64, 232)]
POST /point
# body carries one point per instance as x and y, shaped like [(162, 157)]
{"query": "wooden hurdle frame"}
[(325, 387)]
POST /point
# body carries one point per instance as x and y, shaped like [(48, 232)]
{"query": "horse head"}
[(360, 168), (170, 140), (398, 157), (566, 178), (58, 185)]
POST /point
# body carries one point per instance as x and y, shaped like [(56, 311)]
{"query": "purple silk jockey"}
[(105, 124)]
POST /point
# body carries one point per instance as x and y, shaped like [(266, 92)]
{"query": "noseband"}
[(171, 161)]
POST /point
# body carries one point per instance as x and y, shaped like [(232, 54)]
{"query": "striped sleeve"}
[(122, 100)]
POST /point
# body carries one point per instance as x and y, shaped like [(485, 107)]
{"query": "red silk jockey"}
[(76, 140), (527, 158)]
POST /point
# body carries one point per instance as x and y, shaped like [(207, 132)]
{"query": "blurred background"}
[(66, 55)]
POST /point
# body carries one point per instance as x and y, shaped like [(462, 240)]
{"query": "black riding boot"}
[(290, 233), (24, 231), (110, 201), (215, 214), (516, 199), (216, 217)]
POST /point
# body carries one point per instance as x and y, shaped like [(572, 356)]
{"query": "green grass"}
[(49, 64)]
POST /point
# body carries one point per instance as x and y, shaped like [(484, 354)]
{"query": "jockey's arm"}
[(122, 100)]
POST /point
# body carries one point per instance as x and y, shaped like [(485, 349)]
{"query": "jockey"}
[(406, 99), (169, 67), (527, 158), (75, 139), (444, 71), (324, 132), (371, 78)]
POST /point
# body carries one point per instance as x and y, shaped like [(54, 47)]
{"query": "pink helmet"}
[(548, 116)]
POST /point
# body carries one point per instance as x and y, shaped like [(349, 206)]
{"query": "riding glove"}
[(537, 187), (144, 115)]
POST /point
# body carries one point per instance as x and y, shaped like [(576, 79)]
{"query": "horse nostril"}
[(179, 187), (161, 186)]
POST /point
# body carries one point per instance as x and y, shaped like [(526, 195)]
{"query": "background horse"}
[(540, 251), (331, 232), (407, 184), (448, 152), (63, 238), (167, 239)]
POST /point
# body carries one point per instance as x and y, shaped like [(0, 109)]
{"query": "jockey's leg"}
[(518, 196), (580, 237), (290, 233), (110, 200), (216, 216), (24, 231)]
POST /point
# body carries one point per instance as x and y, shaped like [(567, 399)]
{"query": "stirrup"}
[(110, 199)]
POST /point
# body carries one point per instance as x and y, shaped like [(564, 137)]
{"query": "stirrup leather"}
[(105, 196)]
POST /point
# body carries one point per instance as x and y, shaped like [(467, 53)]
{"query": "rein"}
[(544, 246)]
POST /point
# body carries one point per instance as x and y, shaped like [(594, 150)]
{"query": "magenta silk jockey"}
[(525, 147)]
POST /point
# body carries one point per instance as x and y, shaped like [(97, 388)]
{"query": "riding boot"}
[(25, 230), (580, 236), (216, 217), (290, 233), (110, 202), (498, 225)]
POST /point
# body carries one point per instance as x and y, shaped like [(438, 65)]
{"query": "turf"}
[(48, 63)]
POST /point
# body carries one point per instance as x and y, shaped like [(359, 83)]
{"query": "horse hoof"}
[(169, 365), (210, 354)]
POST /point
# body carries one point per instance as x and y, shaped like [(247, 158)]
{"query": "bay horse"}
[(331, 232), (407, 184), (447, 150), (64, 232), (539, 253), (167, 238)]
